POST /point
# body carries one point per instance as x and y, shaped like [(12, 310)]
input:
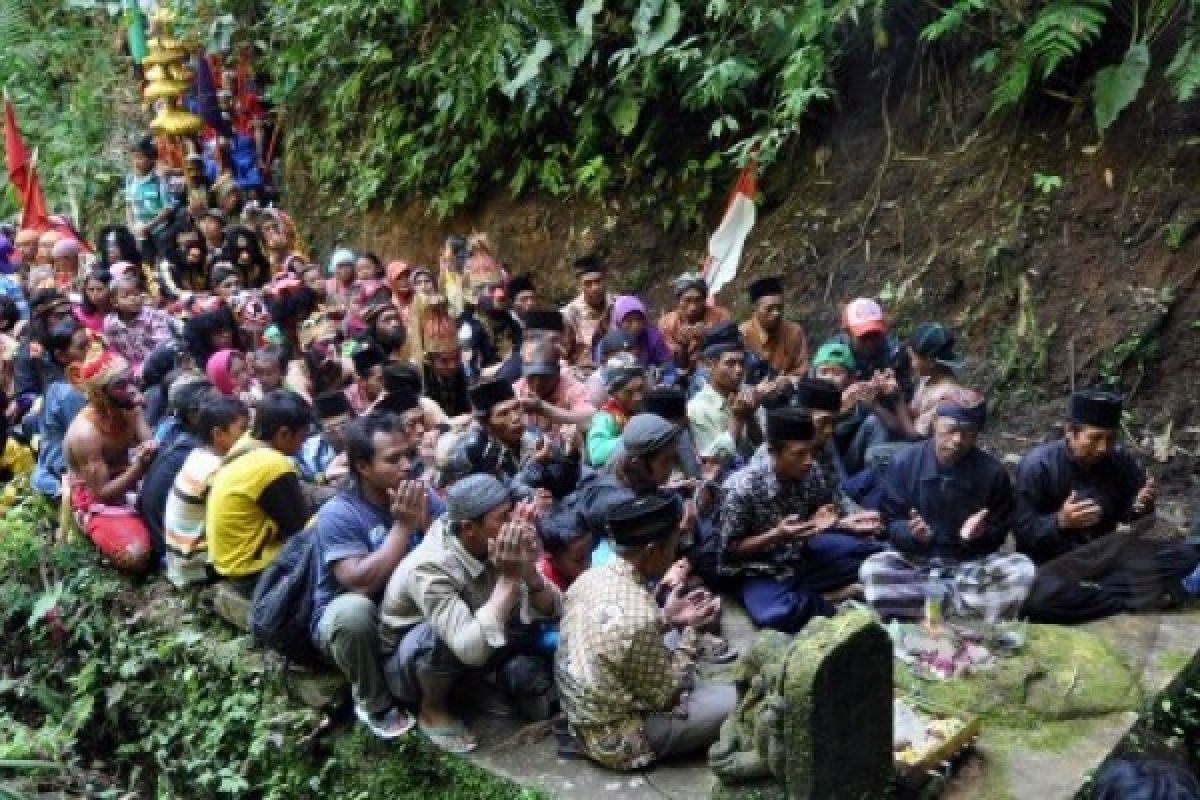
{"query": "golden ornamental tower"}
[(167, 78)]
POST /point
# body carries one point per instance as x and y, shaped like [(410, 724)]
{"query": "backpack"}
[(281, 611)]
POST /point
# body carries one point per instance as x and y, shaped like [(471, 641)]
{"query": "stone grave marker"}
[(814, 715)]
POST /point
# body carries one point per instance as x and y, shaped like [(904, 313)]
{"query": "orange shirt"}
[(786, 350)]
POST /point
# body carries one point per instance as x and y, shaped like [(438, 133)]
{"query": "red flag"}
[(14, 150), (22, 173)]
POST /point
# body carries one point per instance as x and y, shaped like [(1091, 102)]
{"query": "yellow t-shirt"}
[(242, 539)]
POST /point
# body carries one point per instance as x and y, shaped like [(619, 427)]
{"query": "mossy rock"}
[(322, 689), (766, 790), (1062, 673), (837, 688)]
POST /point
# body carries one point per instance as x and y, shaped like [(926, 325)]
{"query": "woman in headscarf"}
[(424, 282), (226, 370), (626, 383), (339, 288), (629, 316)]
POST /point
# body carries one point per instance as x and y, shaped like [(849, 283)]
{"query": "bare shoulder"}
[(83, 441)]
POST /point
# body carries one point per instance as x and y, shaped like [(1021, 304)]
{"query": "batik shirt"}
[(612, 666), (134, 340), (585, 320), (754, 500)]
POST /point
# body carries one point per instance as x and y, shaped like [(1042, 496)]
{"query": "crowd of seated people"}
[(527, 509)]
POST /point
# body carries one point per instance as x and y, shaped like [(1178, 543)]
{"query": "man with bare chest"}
[(108, 449)]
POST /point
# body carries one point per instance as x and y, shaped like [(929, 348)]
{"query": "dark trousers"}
[(522, 672), (786, 604), (1112, 574)]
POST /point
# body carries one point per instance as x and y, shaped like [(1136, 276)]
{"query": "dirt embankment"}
[(1053, 252)]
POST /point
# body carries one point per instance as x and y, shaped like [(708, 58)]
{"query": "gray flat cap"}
[(647, 433), (474, 496)]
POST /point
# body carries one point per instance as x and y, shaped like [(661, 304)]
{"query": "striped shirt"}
[(183, 520)]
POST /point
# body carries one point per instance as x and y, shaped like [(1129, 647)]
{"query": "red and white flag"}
[(725, 246)]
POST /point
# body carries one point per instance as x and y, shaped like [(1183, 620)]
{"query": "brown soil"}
[(920, 198)]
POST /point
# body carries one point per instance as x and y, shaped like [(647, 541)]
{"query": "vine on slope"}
[(448, 100)]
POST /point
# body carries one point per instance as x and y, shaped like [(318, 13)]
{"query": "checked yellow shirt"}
[(613, 668)]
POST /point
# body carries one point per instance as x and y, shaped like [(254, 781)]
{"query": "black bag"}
[(281, 611)]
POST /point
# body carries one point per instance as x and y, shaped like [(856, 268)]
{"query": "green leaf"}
[(1184, 71), (668, 25), (529, 67), (1118, 86), (579, 46), (986, 61), (45, 604), (624, 114)]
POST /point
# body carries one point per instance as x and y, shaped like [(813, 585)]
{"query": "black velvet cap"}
[(487, 395), (398, 400), (764, 287), (589, 264), (1096, 408), (519, 283), (545, 321), (724, 337), (789, 425), (819, 395), (644, 520), (667, 402)]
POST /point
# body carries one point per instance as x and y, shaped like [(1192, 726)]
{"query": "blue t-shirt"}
[(350, 526)]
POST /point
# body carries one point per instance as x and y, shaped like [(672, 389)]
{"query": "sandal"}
[(390, 723), (452, 738), (714, 650), (565, 742)]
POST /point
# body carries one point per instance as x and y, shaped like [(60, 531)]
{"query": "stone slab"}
[(1052, 764), (527, 755), (1047, 764)]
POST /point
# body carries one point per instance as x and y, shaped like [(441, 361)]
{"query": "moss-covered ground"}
[(110, 690)]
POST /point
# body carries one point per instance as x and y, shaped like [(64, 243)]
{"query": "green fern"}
[(951, 20), (1012, 86), (1061, 31), (1184, 70)]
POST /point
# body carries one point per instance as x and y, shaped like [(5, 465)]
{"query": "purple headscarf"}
[(6, 251), (651, 348)]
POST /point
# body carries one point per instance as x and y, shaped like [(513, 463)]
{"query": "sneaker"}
[(391, 723)]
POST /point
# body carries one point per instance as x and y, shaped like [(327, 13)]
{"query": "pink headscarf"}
[(218, 371)]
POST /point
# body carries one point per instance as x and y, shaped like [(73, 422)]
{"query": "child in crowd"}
[(221, 422), (133, 329), (147, 199)]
